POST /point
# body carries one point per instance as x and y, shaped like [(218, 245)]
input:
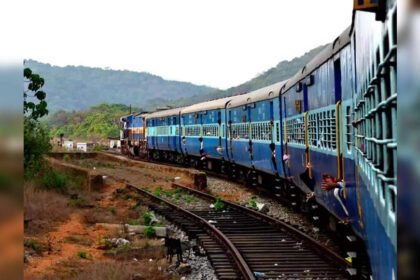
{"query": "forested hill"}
[(284, 70), (98, 122), (77, 88)]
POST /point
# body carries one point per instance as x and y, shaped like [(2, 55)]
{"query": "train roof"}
[(165, 113), (207, 105), (264, 93), (329, 51)]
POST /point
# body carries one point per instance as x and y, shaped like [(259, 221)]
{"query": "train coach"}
[(326, 136)]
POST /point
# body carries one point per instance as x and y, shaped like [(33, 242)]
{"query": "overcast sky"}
[(219, 43)]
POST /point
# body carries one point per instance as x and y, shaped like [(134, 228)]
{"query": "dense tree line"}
[(98, 122)]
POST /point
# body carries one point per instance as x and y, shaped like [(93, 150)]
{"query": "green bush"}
[(219, 205), (158, 192), (150, 232), (82, 255), (54, 180), (252, 203), (147, 217)]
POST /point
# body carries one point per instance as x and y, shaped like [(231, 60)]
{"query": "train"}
[(324, 138)]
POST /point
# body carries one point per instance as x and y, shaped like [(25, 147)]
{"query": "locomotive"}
[(325, 137)]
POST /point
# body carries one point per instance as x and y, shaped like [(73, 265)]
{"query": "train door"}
[(338, 118)]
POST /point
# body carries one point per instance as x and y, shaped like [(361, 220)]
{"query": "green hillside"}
[(78, 88), (98, 122)]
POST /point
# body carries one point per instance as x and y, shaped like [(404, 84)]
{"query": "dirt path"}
[(65, 243)]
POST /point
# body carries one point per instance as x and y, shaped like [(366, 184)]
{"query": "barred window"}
[(210, 130), (239, 131), (348, 127), (177, 130), (313, 130), (278, 132), (261, 131), (192, 130), (295, 130), (162, 130), (327, 130)]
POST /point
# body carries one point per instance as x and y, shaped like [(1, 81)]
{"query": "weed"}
[(66, 157), (189, 198), (218, 204), (82, 255), (253, 203), (147, 217), (126, 196), (149, 231), (158, 192), (113, 210), (34, 245), (52, 179)]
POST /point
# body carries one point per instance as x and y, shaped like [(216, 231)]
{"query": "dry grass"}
[(99, 215), (44, 209), (110, 270)]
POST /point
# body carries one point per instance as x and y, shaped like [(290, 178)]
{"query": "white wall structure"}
[(82, 147), (68, 145)]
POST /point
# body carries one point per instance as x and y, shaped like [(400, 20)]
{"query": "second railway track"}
[(256, 244)]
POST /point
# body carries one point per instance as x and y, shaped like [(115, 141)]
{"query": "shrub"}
[(219, 205), (149, 231), (253, 203), (52, 179), (66, 157), (82, 255), (158, 192), (147, 217), (34, 245)]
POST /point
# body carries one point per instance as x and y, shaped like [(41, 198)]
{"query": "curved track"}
[(256, 243)]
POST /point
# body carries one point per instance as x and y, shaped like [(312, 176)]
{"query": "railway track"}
[(242, 243)]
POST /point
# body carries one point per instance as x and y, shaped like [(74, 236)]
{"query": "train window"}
[(295, 130), (326, 133), (240, 131), (348, 127), (278, 132), (261, 131), (313, 130), (192, 130), (162, 130), (210, 130)]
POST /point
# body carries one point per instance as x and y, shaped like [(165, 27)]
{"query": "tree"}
[(36, 136)]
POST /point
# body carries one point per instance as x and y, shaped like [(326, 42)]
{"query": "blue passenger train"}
[(326, 137)]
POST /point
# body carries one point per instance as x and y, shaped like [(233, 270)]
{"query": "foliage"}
[(36, 135), (82, 255), (34, 245), (52, 179), (147, 217), (158, 192), (36, 144), (34, 104), (149, 231), (99, 122), (253, 203), (218, 204)]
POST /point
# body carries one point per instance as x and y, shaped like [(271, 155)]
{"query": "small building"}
[(114, 143), (68, 145), (82, 146)]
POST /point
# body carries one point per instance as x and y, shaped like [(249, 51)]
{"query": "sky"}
[(219, 43)]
